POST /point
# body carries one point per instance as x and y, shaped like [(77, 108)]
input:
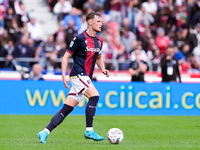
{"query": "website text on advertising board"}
[(156, 99)]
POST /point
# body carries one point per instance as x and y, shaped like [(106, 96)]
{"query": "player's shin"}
[(90, 112), (59, 117)]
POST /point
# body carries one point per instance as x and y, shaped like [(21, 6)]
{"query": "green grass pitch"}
[(18, 132)]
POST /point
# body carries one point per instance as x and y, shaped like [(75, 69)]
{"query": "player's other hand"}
[(66, 82), (106, 72)]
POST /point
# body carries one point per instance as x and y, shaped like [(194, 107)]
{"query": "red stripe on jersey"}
[(90, 55), (70, 52)]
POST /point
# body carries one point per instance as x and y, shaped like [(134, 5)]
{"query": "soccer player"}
[(86, 51)]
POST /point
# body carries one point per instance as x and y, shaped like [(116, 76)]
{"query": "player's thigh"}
[(91, 91), (71, 101)]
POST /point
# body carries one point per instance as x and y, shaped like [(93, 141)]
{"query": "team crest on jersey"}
[(86, 41), (89, 81)]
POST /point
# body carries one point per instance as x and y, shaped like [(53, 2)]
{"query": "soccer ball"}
[(115, 136)]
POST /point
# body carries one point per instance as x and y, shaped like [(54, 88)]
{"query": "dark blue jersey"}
[(84, 50)]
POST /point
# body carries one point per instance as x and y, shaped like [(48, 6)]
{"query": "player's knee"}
[(93, 101), (91, 92)]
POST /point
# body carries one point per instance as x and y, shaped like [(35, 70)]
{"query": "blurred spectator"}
[(62, 51), (166, 20), (156, 60), (146, 38), (171, 36), (78, 3), (122, 54), (32, 46), (7, 52), (36, 73), (161, 40), (74, 17), (17, 8), (5, 3), (179, 55), (193, 11), (14, 30), (133, 7), (115, 11), (51, 4), (62, 8), (60, 34), (151, 47), (58, 45), (9, 15), (197, 32), (2, 12), (49, 53), (183, 19), (186, 50), (24, 31), (94, 5), (196, 53), (193, 65), (150, 6), (143, 55), (101, 2), (137, 67), (181, 16), (111, 53), (188, 37), (4, 38), (143, 17), (126, 24), (169, 66), (84, 25), (179, 40), (127, 38), (70, 31), (23, 50), (162, 4), (23, 17), (35, 31)]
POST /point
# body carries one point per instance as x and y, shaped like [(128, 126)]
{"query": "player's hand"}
[(106, 72), (66, 82)]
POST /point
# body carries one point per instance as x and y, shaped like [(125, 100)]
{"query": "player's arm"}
[(101, 66), (74, 44), (64, 65)]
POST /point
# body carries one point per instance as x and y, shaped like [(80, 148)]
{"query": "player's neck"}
[(91, 33)]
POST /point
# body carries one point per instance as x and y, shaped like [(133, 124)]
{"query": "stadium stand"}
[(150, 25)]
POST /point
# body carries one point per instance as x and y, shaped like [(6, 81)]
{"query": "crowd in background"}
[(145, 26)]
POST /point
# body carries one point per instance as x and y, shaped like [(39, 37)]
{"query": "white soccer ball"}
[(115, 136)]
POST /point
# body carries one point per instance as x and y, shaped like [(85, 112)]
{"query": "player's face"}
[(97, 24)]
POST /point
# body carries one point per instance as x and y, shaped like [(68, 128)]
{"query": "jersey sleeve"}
[(101, 49), (73, 46), (100, 45)]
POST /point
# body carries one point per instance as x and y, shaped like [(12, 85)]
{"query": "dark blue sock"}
[(59, 117), (90, 110)]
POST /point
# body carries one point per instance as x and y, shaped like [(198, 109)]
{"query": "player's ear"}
[(90, 21)]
